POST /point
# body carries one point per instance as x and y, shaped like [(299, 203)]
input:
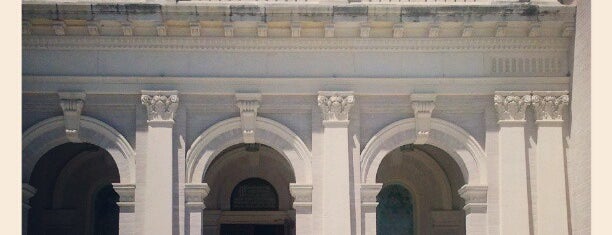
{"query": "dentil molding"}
[(161, 106), (72, 106)]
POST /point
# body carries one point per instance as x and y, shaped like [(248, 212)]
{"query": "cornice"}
[(295, 44)]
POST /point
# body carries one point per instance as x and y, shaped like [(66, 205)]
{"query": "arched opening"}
[(249, 191), (419, 193), (74, 192), (394, 213)]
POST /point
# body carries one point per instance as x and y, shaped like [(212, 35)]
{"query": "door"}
[(252, 229)]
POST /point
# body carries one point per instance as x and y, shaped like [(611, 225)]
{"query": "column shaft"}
[(513, 201), (551, 197), (336, 189)]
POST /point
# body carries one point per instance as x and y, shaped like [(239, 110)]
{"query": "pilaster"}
[(161, 107), (335, 107), (475, 208), (126, 203), (514, 211), (551, 196), (72, 106), (302, 203), (195, 193), (368, 207)]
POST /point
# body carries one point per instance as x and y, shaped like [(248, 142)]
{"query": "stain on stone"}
[(351, 10), (530, 11), (244, 10), (143, 8)]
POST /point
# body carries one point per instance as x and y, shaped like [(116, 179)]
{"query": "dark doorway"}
[(252, 229)]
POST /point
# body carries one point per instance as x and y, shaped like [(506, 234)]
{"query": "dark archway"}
[(74, 192), (394, 213), (254, 194)]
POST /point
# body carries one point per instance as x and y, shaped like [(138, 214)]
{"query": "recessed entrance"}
[(249, 192)]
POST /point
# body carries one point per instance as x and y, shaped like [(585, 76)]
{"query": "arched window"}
[(394, 213), (254, 194)]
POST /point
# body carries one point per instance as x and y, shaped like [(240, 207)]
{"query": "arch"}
[(229, 132), (459, 144), (47, 134)]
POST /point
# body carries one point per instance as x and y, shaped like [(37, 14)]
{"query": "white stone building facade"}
[(304, 117)]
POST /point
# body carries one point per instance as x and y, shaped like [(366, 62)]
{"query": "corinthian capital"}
[(335, 106), (161, 105), (549, 105), (511, 105)]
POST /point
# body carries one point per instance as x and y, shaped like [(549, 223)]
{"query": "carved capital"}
[(194, 29), (511, 105), (248, 103), (127, 193), (302, 197), (195, 193), (423, 105), (161, 106), (368, 196), (475, 197), (364, 30), (330, 30), (27, 192), (398, 30), (262, 29), (296, 28), (335, 106), (72, 105), (549, 105), (228, 28)]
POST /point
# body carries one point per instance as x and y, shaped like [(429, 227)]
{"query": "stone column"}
[(161, 106), (550, 164), (127, 217), (302, 204), (335, 108), (368, 207), (513, 201), (475, 208), (195, 193), (27, 192)]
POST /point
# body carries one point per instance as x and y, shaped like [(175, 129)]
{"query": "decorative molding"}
[(422, 105), (127, 193), (468, 31), (248, 103), (303, 44), (535, 30), (92, 28), (59, 27), (27, 192), (500, 30), (127, 29), (368, 196), (161, 106), (302, 197), (511, 105), (364, 30), (26, 27), (549, 105), (72, 106), (526, 65), (195, 193), (330, 30), (162, 30), (262, 29), (296, 29), (398, 30), (434, 31), (228, 28), (194, 29), (475, 197), (335, 106)]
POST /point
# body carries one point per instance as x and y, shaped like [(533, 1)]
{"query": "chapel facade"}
[(304, 117)]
